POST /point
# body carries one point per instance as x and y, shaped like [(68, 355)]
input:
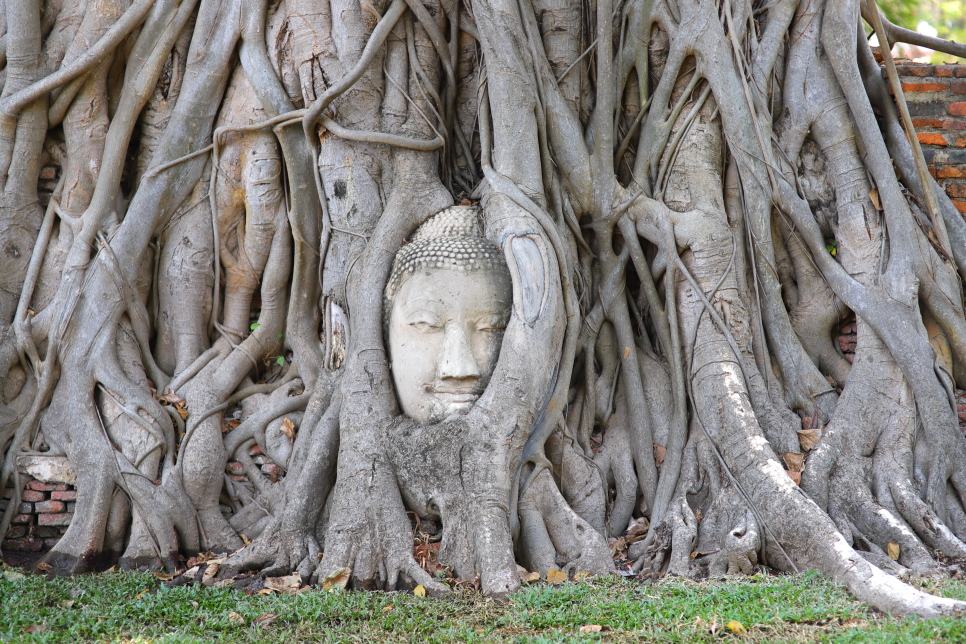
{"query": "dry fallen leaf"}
[(736, 627), (387, 607), (581, 575), (245, 539), (210, 572), (808, 438), (591, 628), (288, 427), (12, 575), (236, 618), (46, 567), (874, 197), (163, 576), (65, 603), (195, 604), (419, 591), (142, 593), (796, 477), (893, 551), (288, 583), (266, 619), (338, 578), (794, 461), (659, 453), (555, 577), (36, 628)]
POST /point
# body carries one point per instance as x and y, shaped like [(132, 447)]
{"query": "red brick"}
[(960, 71), (927, 122), (957, 88), (50, 507), (54, 519), (954, 124), (931, 138), (22, 518), (944, 71), (32, 496), (950, 172), (957, 109), (46, 487), (960, 206), (234, 467), (272, 468), (960, 142), (67, 495), (255, 450), (957, 190), (924, 87)]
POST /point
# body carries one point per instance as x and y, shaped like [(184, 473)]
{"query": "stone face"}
[(47, 469)]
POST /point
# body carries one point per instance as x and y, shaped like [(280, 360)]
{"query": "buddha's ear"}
[(529, 266)]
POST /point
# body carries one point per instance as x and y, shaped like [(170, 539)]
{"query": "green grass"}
[(114, 607)]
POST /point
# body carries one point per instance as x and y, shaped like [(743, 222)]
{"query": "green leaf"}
[(254, 326), (280, 335), (281, 360)]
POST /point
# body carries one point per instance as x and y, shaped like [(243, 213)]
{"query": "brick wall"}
[(936, 95), (45, 512)]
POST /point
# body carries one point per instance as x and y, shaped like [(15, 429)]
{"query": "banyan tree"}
[(535, 271)]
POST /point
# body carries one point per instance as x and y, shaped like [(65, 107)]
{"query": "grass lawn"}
[(129, 607)]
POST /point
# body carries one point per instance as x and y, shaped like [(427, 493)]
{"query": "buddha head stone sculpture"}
[(447, 303)]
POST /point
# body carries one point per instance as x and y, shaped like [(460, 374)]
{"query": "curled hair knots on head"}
[(449, 240)]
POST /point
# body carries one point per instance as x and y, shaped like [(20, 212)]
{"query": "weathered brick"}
[(237, 478), (28, 544), (960, 71), (950, 173), (917, 123), (956, 190), (46, 487), (927, 108), (954, 124), (17, 532), (273, 470), (48, 172), (44, 532), (954, 156), (915, 70), (32, 496), (49, 507), (54, 519), (924, 87), (66, 495), (255, 450), (958, 108), (931, 138), (960, 206), (944, 71), (22, 518), (26, 508), (234, 467), (70, 506), (960, 142), (957, 88)]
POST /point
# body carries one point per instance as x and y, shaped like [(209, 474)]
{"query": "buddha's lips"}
[(456, 397)]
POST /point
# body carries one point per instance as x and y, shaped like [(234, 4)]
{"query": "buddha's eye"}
[(491, 324), (426, 323)]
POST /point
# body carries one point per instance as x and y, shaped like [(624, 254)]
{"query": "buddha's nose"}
[(457, 360)]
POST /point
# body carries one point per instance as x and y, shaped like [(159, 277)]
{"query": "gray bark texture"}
[(666, 180)]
